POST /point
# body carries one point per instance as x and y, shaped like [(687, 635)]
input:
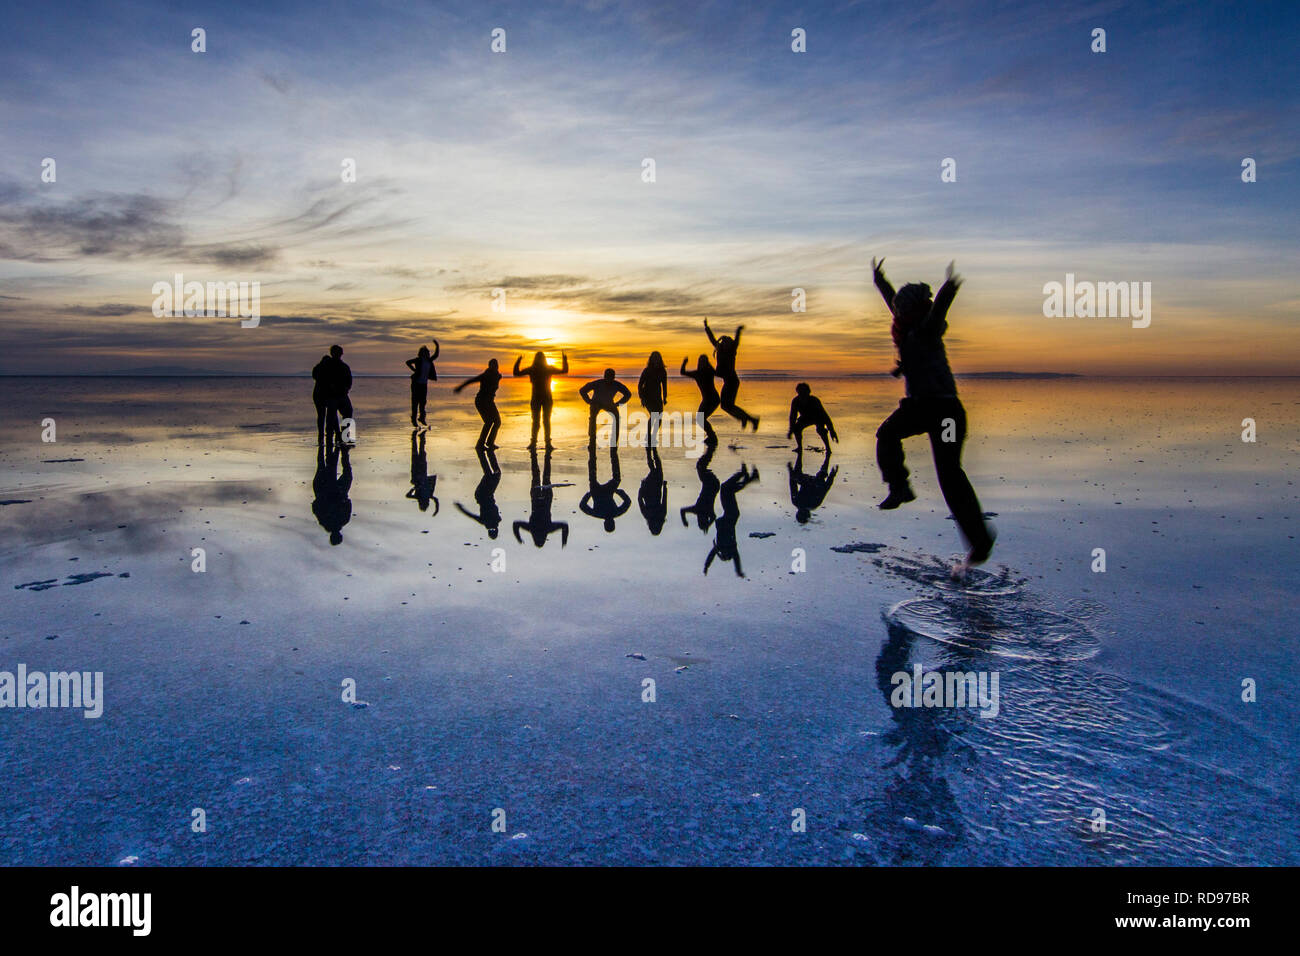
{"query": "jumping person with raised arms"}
[(930, 407)]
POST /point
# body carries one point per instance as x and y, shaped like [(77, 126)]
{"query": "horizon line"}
[(756, 376)]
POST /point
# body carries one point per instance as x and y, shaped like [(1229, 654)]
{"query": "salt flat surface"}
[(521, 689)]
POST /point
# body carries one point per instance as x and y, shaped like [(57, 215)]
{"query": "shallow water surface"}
[(500, 616)]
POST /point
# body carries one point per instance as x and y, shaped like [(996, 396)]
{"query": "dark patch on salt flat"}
[(72, 579)]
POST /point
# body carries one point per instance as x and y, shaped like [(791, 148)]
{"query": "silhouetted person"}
[(725, 348), (652, 498), (320, 396), (489, 515), (652, 390), (724, 540), (422, 373), (486, 402), (540, 374), (703, 509), (807, 492), (604, 500), (333, 381), (604, 395), (422, 486), (332, 507), (539, 523), (703, 374), (806, 410), (931, 406)]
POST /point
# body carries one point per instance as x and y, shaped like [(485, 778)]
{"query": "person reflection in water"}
[(540, 524), (807, 492), (485, 494), (703, 509), (422, 485), (332, 507), (652, 498), (724, 542), (922, 748), (606, 501)]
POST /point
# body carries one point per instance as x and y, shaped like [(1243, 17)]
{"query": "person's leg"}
[(592, 411), (824, 435), (655, 418), (948, 420), (799, 426), (730, 387), (903, 423), (536, 406), (613, 435), (495, 421), (706, 409), (709, 409), (547, 405), (320, 421), (415, 402), (423, 400), (481, 408)]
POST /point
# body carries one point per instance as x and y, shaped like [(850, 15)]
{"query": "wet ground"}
[(499, 622)]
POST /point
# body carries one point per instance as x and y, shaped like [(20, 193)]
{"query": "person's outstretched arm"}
[(468, 381), (739, 329), (564, 363), (518, 525), (709, 332), (518, 373), (937, 319), (878, 276), (684, 372), (436, 349)]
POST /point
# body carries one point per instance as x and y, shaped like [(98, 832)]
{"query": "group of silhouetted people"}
[(931, 406), (333, 381)]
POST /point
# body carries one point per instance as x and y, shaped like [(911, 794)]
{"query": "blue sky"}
[(522, 170)]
